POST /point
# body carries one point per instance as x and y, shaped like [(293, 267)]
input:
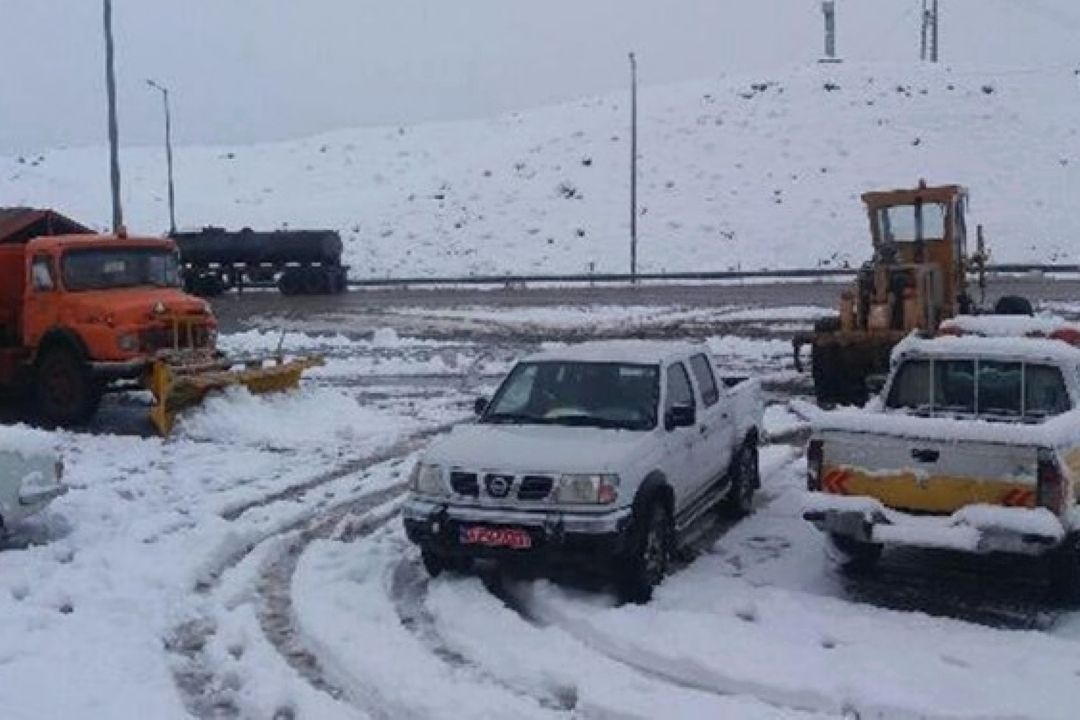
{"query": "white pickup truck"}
[(974, 445), (599, 454), (30, 474)]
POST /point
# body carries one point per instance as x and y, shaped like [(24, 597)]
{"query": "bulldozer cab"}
[(922, 233)]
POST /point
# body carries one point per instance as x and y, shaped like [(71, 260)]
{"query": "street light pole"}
[(168, 153), (114, 134), (633, 168)]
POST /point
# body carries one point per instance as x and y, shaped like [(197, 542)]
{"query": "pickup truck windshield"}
[(984, 388), (107, 268), (587, 394)]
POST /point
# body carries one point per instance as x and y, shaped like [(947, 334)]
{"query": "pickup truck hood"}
[(547, 449)]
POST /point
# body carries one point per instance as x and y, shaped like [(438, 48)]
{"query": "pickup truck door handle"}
[(926, 456), (704, 429)]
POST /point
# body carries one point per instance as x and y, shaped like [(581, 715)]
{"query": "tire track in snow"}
[(355, 465), (409, 590), (348, 522), (203, 692)]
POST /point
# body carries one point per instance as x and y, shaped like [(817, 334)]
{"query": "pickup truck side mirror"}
[(480, 406), (680, 416)]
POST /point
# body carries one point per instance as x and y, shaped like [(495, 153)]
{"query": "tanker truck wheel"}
[(1013, 305), (64, 392)]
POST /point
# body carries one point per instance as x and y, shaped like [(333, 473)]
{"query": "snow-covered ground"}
[(253, 566), (737, 171)]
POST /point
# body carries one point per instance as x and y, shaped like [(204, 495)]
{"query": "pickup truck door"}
[(716, 422), (681, 443)]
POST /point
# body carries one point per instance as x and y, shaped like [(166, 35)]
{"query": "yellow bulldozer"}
[(917, 277)]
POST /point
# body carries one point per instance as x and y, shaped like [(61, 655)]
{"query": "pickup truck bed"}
[(977, 450)]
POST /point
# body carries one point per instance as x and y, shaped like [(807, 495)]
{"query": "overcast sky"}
[(250, 70)]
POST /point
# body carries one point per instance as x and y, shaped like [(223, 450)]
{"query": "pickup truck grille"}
[(465, 483), (535, 487), (502, 486)]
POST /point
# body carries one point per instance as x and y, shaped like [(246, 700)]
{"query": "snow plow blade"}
[(178, 382)]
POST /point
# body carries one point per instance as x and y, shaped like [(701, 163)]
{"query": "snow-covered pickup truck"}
[(30, 474), (973, 445), (599, 455)]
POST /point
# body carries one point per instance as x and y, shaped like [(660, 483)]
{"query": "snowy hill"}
[(737, 172)]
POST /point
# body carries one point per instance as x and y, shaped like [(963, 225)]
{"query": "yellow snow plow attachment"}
[(179, 380)]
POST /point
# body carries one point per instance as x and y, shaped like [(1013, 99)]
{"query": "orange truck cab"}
[(80, 312)]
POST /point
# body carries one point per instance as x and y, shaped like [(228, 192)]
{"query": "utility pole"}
[(924, 29), (828, 8), (168, 153), (633, 168), (935, 36), (114, 139)]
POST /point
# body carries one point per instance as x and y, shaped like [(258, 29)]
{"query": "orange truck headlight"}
[(128, 342)]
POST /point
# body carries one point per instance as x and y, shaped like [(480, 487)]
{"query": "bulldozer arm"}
[(182, 380)]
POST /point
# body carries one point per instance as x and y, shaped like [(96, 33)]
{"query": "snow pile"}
[(1022, 521), (779, 420), (312, 416), (257, 342), (749, 171), (27, 442), (963, 530)]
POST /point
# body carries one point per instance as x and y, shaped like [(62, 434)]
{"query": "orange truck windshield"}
[(103, 269)]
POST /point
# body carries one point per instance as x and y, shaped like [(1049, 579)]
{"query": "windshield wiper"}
[(512, 419), (594, 421)]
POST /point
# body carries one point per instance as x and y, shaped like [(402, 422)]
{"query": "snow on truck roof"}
[(641, 352), (1006, 325), (1003, 348)]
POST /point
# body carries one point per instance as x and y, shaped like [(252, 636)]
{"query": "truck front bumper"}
[(556, 537), (976, 528), (118, 370)]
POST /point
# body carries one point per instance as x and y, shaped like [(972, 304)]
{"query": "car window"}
[(679, 390), (705, 379), (954, 386), (911, 387), (41, 275), (1001, 386), (585, 394), (1045, 393)]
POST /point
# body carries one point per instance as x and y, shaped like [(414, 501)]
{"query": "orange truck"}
[(82, 313)]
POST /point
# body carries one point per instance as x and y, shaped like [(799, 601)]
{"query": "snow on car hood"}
[(536, 448)]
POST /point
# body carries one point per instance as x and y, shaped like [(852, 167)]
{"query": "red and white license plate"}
[(496, 537)]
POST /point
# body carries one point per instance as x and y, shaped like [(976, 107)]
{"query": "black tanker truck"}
[(299, 262)]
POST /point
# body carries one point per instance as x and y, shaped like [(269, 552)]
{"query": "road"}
[(362, 310)]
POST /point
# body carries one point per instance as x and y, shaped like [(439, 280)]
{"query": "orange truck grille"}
[(178, 335)]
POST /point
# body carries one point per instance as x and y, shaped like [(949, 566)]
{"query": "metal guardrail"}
[(612, 278)]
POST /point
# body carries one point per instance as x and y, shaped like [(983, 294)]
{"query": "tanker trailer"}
[(299, 262)]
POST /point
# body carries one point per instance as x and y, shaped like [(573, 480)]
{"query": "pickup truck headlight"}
[(128, 342), (592, 489), (427, 479)]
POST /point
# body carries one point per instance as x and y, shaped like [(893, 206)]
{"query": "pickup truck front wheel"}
[(436, 564), (646, 562), (851, 554)]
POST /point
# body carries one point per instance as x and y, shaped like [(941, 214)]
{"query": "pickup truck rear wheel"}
[(1065, 570), (65, 393), (745, 479), (646, 562), (853, 555)]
